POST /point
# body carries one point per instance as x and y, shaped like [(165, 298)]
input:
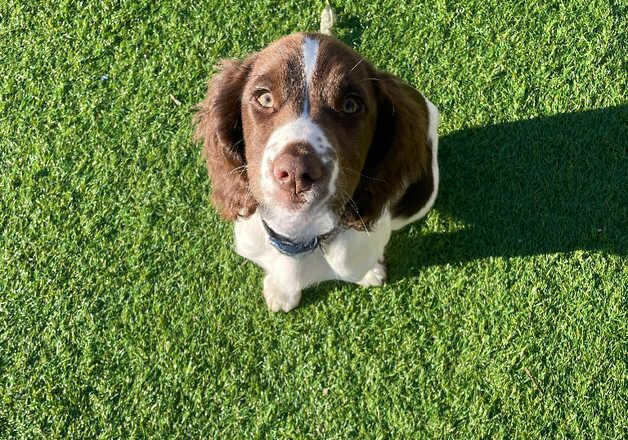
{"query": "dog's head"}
[(310, 134)]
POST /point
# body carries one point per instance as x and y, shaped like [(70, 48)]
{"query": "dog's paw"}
[(376, 276), (279, 300)]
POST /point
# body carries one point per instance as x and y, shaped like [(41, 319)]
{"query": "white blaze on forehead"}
[(310, 55)]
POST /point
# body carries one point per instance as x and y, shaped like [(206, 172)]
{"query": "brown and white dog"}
[(317, 157)]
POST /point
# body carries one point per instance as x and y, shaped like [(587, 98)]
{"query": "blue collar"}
[(290, 248)]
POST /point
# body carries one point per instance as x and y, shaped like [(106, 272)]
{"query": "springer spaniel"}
[(317, 156)]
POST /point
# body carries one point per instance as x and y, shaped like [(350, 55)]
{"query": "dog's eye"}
[(265, 100), (350, 106)]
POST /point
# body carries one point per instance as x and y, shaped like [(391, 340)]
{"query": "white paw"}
[(279, 300), (376, 276)]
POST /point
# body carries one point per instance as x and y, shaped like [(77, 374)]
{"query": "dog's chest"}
[(251, 242), (348, 256)]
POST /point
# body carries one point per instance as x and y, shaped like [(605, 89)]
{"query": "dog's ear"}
[(399, 155), (219, 125)]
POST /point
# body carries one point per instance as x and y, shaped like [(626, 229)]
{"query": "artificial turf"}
[(124, 312)]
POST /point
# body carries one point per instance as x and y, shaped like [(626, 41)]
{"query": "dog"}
[(316, 156)]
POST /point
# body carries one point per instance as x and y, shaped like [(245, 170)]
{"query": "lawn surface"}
[(125, 314)]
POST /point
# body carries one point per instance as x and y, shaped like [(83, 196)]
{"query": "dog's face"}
[(303, 131), (308, 116)]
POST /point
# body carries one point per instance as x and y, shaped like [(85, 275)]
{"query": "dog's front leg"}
[(286, 277), (358, 256), (280, 296)]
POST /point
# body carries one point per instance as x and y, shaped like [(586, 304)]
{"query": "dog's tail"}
[(328, 20)]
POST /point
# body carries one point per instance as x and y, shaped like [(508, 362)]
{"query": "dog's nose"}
[(297, 169)]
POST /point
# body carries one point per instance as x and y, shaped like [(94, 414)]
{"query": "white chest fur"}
[(348, 256)]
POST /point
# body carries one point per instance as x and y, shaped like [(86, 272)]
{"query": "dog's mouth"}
[(295, 201)]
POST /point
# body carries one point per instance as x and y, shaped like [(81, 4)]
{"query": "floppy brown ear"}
[(219, 125), (399, 157)]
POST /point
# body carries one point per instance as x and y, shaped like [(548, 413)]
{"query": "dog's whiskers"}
[(354, 206), (241, 169), (375, 179), (356, 65)]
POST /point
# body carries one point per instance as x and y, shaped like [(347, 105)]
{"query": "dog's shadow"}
[(532, 187)]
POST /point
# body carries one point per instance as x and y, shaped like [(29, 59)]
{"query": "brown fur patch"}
[(398, 156), (218, 125)]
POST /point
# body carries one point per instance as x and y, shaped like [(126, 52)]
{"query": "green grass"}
[(125, 314)]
